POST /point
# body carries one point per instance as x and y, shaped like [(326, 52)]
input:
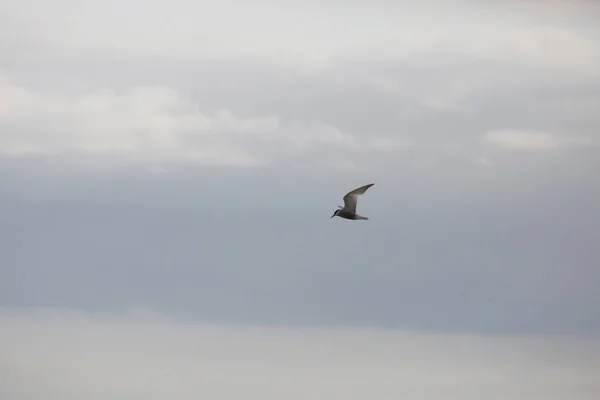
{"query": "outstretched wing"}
[(350, 199)]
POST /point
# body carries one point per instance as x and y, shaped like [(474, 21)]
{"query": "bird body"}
[(348, 211)]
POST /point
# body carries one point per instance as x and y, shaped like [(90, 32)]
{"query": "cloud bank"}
[(61, 354), (153, 124), (239, 85)]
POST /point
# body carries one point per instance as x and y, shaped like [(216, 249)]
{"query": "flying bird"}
[(350, 200)]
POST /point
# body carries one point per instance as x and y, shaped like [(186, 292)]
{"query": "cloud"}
[(522, 140), (158, 123), (58, 354), (574, 109), (547, 49), (276, 34), (185, 85)]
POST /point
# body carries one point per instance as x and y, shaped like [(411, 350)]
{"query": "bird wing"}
[(350, 199)]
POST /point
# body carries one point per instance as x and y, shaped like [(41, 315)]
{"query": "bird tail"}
[(361, 217)]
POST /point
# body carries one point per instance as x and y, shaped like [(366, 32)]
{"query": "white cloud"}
[(542, 48), (54, 354), (435, 63), (524, 140), (157, 123), (267, 31)]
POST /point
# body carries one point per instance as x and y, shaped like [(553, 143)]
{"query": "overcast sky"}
[(183, 158)]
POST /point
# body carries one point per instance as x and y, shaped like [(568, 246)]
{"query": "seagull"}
[(350, 200)]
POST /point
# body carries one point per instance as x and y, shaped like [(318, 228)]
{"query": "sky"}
[(168, 170)]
